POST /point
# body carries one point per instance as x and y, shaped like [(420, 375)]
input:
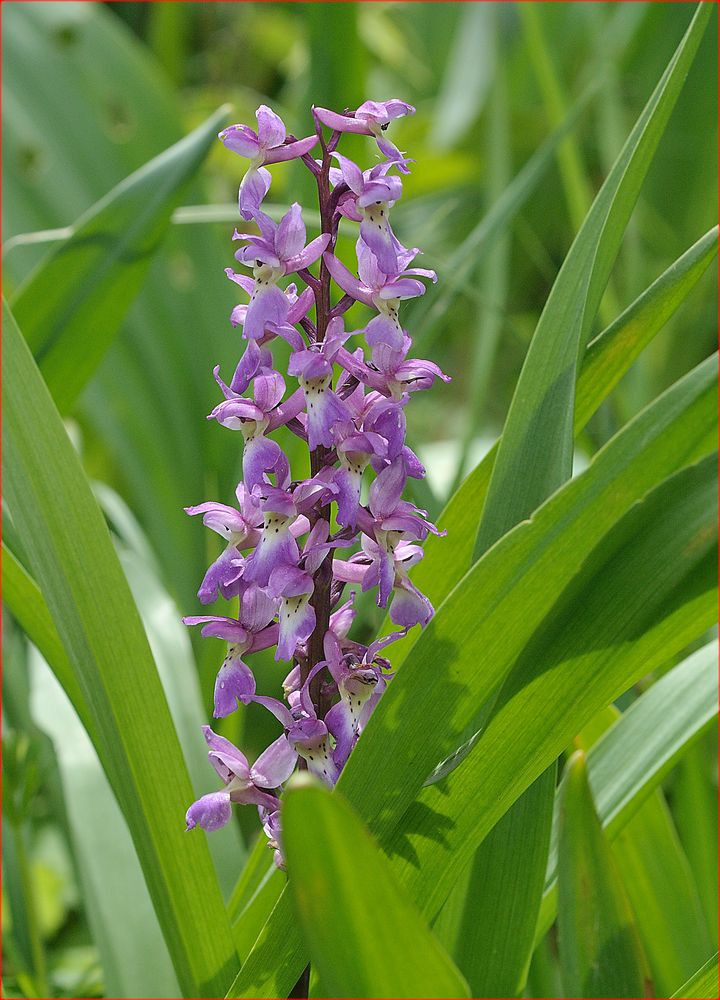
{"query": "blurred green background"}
[(92, 91)]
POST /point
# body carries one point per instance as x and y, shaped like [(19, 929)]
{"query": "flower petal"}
[(211, 812)]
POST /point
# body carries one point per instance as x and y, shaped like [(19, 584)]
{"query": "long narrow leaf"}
[(72, 559), (704, 983), (600, 950), (329, 855)]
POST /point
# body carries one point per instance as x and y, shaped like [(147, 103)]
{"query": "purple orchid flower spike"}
[(371, 118), (314, 369), (241, 529), (243, 784), (284, 538), (268, 145)]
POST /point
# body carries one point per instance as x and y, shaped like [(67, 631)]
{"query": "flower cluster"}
[(285, 538)]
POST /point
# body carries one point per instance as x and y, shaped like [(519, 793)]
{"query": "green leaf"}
[(124, 927), (488, 922), (634, 756), (663, 894), (74, 303), (536, 449), (23, 598), (72, 558), (464, 654), (600, 950), (704, 983), (330, 856), (606, 360)]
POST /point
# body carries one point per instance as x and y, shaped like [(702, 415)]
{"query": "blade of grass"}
[(329, 851), (600, 949), (72, 559)]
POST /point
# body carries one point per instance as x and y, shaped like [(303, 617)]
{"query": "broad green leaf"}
[(73, 304), (133, 954), (536, 449), (72, 558), (607, 359), (634, 756), (600, 950), (330, 856), (704, 983), (463, 655)]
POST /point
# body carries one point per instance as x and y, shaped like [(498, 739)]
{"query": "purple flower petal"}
[(268, 305), (274, 765), (290, 236), (262, 456), (341, 123), (347, 281), (235, 682), (211, 812), (241, 139), (312, 252), (271, 128), (291, 150), (253, 188)]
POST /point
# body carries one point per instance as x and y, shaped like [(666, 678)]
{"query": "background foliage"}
[(522, 111)]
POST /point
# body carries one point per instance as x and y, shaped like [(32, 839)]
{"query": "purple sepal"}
[(211, 812)]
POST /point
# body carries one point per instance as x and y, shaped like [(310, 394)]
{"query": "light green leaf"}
[(704, 983), (488, 921), (134, 957), (634, 756), (72, 558), (23, 598), (464, 654), (75, 301), (330, 856), (600, 950)]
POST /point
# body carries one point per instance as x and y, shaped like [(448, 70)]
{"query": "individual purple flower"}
[(262, 456), (281, 320), (360, 686), (372, 194), (294, 587), (314, 369), (268, 145), (305, 735), (277, 547), (243, 784), (250, 632), (383, 291), (241, 529), (371, 118)]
